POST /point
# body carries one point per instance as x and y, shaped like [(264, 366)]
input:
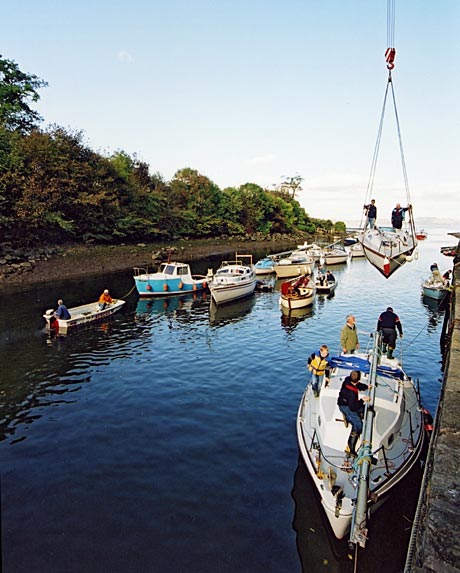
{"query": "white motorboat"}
[(297, 293), (391, 441), (312, 249), (335, 255), (356, 250), (296, 264), (80, 315), (233, 280), (388, 249)]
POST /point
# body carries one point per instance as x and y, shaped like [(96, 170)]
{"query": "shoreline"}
[(78, 261)]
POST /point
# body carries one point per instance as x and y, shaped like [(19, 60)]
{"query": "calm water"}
[(164, 440)]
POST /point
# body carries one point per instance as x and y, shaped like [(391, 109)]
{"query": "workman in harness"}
[(319, 366), (352, 407), (388, 322)]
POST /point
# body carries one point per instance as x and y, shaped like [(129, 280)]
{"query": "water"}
[(164, 440)]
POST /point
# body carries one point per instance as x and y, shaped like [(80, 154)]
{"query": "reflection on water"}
[(291, 318), (222, 314), (162, 437)]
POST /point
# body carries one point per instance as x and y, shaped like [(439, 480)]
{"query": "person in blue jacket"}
[(62, 311)]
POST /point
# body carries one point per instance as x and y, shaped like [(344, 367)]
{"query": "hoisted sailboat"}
[(389, 248)]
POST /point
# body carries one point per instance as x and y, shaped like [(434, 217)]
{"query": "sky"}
[(257, 91)]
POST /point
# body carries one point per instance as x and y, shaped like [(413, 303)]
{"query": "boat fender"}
[(427, 420), (149, 287), (181, 285), (165, 287)]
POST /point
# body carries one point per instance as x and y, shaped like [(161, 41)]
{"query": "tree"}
[(17, 90), (292, 185)]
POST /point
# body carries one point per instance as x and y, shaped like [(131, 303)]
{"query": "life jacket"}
[(318, 364)]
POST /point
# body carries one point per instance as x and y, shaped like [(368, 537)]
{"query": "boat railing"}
[(140, 271)]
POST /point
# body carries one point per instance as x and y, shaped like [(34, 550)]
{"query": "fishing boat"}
[(233, 280), (325, 283), (297, 293), (172, 278), (80, 315), (264, 266), (435, 288), (391, 441), (297, 263)]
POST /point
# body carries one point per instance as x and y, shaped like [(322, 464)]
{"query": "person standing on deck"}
[(371, 214), (397, 216), (319, 366), (349, 336), (388, 322)]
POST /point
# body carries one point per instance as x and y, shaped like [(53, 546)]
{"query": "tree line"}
[(54, 188)]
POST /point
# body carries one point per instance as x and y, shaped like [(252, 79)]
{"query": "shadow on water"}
[(290, 319), (319, 550), (220, 315)]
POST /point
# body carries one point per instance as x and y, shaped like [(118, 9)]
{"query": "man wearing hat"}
[(388, 322)]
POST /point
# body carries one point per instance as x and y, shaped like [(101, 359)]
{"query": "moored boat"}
[(296, 264), (356, 250), (449, 251), (264, 266), (298, 293), (172, 278), (435, 288), (335, 254), (325, 283), (421, 235), (391, 441), (80, 315), (233, 280)]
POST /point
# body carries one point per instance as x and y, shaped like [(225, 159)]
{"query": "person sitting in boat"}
[(349, 336), (352, 407), (371, 214), (319, 366), (330, 277), (435, 274), (388, 322), (321, 275), (397, 216), (62, 311), (446, 277), (105, 299)]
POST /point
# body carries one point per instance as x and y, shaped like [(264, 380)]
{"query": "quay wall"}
[(435, 543)]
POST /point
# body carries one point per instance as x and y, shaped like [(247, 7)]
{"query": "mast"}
[(359, 519)]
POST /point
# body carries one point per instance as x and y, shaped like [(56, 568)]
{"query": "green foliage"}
[(17, 90), (54, 188)]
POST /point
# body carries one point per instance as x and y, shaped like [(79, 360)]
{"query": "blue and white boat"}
[(265, 266), (172, 278)]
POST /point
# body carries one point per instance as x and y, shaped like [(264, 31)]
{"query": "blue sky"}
[(253, 91)]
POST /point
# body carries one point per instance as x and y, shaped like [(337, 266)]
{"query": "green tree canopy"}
[(17, 91)]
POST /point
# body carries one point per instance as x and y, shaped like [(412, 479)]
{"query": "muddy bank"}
[(79, 261)]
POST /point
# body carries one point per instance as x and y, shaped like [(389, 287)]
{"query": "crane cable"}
[(390, 56)]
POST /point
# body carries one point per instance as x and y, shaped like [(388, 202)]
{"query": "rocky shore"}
[(40, 265)]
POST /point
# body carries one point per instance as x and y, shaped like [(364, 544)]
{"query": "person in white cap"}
[(105, 299)]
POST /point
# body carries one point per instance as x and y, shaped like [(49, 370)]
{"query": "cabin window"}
[(169, 270)]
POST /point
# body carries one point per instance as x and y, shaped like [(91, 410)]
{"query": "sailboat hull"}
[(387, 250)]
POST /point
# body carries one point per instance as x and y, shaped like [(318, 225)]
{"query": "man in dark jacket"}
[(371, 214), (397, 216), (352, 406), (388, 322)]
